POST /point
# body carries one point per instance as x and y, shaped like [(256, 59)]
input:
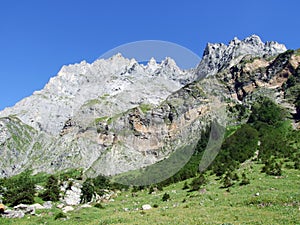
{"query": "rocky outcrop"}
[(254, 74)]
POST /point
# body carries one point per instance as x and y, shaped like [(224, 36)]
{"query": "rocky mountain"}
[(116, 115), (103, 88)]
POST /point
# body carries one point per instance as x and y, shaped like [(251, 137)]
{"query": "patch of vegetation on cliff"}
[(145, 107)]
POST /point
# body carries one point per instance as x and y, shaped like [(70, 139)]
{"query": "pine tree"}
[(87, 191), (52, 189), (20, 189)]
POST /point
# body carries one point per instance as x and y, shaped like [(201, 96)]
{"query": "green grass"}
[(101, 119), (231, 130), (91, 102), (278, 203), (145, 107)]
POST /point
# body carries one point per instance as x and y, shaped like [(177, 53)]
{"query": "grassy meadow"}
[(266, 200)]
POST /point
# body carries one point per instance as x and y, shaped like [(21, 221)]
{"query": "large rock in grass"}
[(27, 209), (146, 207), (13, 214)]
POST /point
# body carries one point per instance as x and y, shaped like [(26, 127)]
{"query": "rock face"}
[(115, 115)]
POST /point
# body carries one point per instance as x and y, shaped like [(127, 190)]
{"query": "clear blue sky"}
[(37, 37)]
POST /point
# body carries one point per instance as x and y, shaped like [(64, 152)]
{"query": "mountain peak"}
[(169, 62), (253, 40), (219, 56)]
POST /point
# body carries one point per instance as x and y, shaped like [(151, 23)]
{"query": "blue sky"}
[(37, 37)]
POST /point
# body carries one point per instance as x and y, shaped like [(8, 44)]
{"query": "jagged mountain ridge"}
[(220, 56), (123, 83), (115, 115)]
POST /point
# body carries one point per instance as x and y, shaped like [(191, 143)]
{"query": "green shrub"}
[(185, 186), (245, 180), (297, 105), (100, 183), (297, 165), (165, 197), (227, 180), (155, 206), (151, 190), (272, 167), (99, 206), (198, 182), (60, 215)]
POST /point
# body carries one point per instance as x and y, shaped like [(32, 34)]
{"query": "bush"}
[(151, 190), (297, 105), (185, 186), (198, 182), (227, 180), (155, 206), (99, 206), (101, 182), (272, 167), (245, 180), (165, 197), (60, 215), (297, 165)]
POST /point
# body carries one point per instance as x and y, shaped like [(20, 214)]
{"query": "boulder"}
[(13, 214), (47, 205), (85, 206), (146, 207), (37, 206), (27, 209), (67, 209), (60, 206)]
